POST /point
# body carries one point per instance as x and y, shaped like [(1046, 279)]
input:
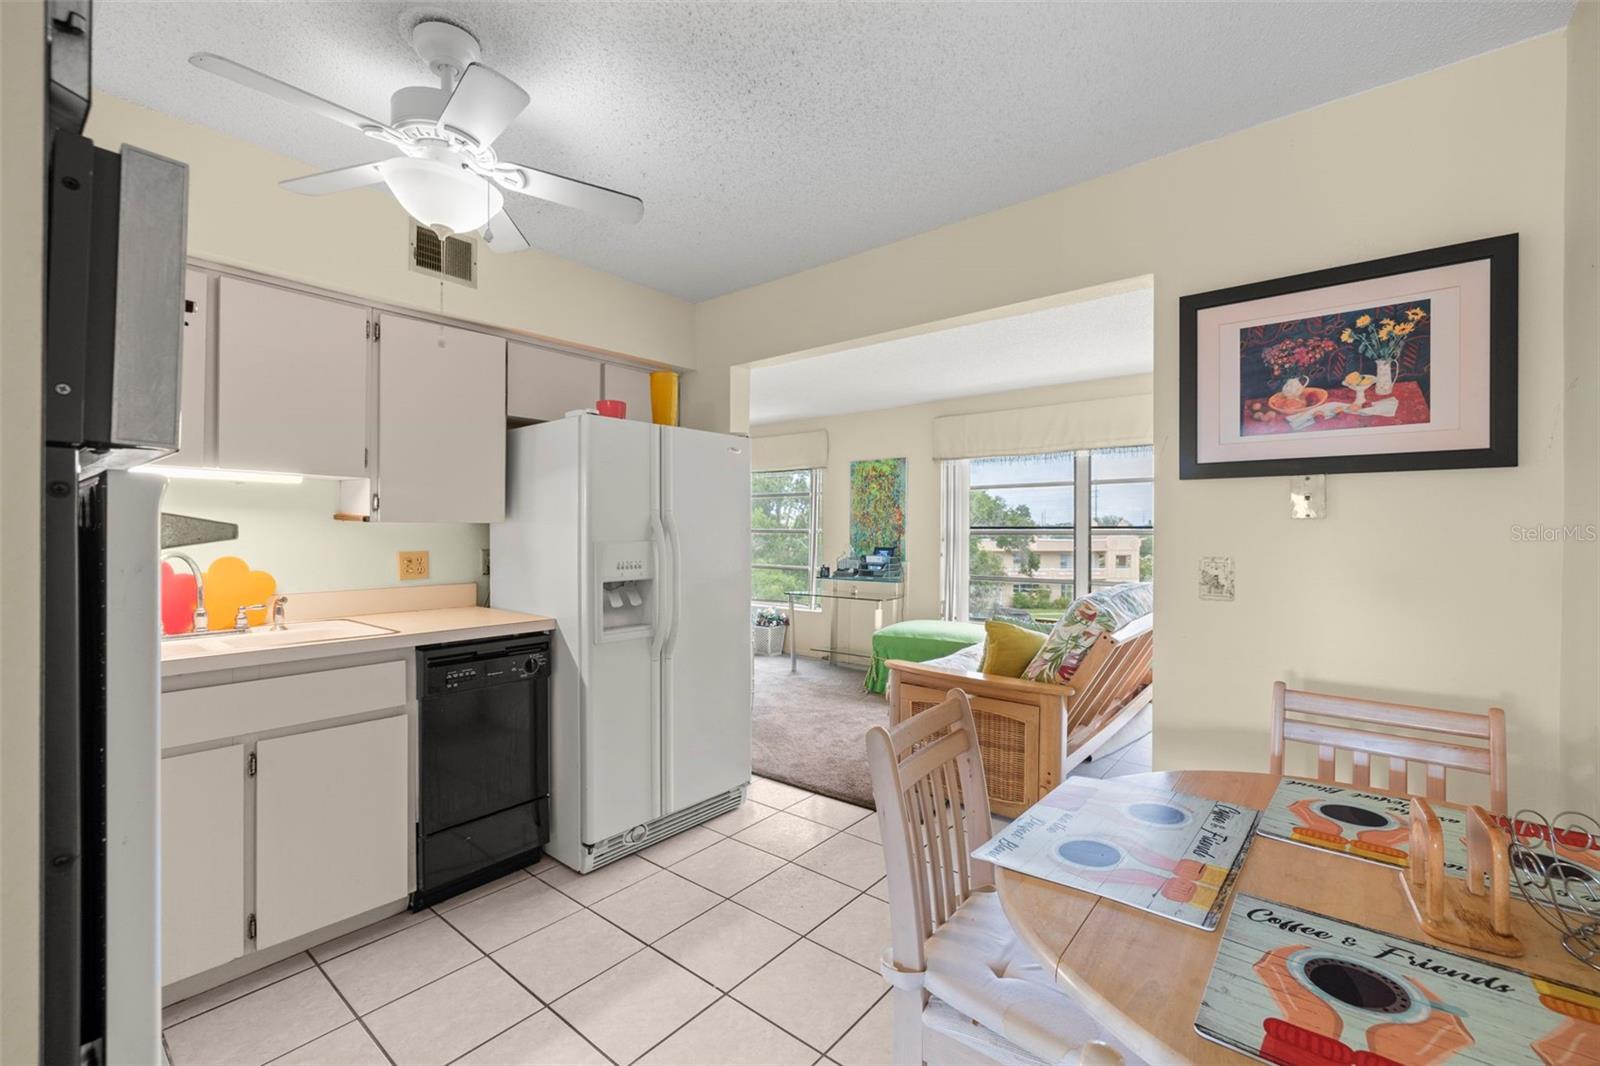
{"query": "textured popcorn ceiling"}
[(768, 138), (1108, 337)]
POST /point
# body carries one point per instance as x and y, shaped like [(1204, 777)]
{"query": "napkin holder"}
[(1474, 912)]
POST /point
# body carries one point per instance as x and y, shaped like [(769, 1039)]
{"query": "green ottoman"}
[(917, 642)]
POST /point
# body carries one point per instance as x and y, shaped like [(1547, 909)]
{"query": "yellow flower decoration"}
[(1403, 328), (1364, 320), (1347, 336), (1416, 314), (1384, 331), (1387, 323)]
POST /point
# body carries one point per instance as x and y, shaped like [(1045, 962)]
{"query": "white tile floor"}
[(752, 940)]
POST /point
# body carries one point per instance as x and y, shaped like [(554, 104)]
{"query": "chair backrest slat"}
[(933, 721), (926, 759), (1436, 753), (1329, 737), (1436, 781), (933, 809), (1361, 769), (1396, 715)]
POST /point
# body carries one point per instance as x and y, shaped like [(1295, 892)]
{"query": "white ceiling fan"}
[(448, 177)]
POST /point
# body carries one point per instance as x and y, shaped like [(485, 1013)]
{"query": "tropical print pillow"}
[(1105, 611)]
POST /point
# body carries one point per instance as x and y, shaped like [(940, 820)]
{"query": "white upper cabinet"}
[(441, 433), (543, 384), (630, 386), (192, 391), (291, 381)]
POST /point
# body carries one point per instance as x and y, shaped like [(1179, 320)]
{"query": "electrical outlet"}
[(413, 565)]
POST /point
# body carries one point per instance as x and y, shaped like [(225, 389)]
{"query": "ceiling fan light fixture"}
[(446, 199)]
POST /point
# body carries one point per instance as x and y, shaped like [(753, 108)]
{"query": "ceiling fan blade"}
[(254, 79), (336, 180), (503, 235), (484, 103), (570, 192)]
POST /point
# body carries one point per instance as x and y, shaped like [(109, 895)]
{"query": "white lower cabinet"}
[(332, 831), (297, 819), (203, 919)]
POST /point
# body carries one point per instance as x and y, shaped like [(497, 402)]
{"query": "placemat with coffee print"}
[(1297, 988), (1377, 827), (1368, 825), (1163, 851)]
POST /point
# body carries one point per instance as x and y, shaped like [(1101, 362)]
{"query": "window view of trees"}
[(1023, 543), (784, 507)]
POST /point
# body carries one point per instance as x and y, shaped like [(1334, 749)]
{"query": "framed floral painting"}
[(1404, 363)]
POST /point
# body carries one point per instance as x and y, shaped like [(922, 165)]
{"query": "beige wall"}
[(356, 242), (21, 294), (289, 531), (1580, 665), (1424, 594), (908, 432)]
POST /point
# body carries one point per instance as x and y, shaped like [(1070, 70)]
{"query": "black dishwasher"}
[(483, 762)]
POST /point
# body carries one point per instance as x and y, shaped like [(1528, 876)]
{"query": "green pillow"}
[(1009, 649)]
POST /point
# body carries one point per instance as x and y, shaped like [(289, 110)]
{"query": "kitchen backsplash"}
[(289, 530)]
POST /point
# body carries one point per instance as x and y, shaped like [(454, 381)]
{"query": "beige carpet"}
[(809, 727)]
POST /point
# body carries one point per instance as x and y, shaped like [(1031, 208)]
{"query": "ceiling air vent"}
[(455, 257)]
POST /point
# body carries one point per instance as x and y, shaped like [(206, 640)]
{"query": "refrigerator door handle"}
[(677, 560), (666, 609)]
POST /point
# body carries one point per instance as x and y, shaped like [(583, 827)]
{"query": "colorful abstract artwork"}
[(1358, 369), (1300, 989), (1166, 852), (878, 506)]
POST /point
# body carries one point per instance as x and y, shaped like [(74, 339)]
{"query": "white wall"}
[(1580, 673), (356, 242), (289, 531), (21, 338), (1425, 595), (908, 432)]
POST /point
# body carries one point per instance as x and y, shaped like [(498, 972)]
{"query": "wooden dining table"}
[(1142, 976)]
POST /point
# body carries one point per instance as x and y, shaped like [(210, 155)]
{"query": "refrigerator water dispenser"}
[(624, 588)]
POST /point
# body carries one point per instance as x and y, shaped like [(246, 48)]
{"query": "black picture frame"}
[(1500, 252)]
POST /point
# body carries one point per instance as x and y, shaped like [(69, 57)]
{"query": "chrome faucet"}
[(200, 621)]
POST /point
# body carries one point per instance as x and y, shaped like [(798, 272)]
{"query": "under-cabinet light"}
[(199, 473)]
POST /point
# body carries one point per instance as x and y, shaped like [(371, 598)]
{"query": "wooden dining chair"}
[(963, 989), (1344, 727)]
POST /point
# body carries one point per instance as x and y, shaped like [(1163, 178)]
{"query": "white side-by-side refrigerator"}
[(636, 538)]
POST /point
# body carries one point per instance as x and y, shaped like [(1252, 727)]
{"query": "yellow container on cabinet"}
[(664, 397)]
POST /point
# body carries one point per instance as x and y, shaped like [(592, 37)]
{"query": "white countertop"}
[(408, 629)]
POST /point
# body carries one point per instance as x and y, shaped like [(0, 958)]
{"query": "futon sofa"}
[(1032, 731)]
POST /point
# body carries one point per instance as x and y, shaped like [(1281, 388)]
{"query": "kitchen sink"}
[(264, 637)]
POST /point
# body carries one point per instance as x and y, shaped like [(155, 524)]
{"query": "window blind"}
[(1107, 423), (789, 451)]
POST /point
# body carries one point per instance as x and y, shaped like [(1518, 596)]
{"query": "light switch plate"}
[(413, 566), (1216, 577), (1308, 496)]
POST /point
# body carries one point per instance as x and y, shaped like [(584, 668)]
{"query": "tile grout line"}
[(361, 1021), (235, 999), (828, 1054)]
